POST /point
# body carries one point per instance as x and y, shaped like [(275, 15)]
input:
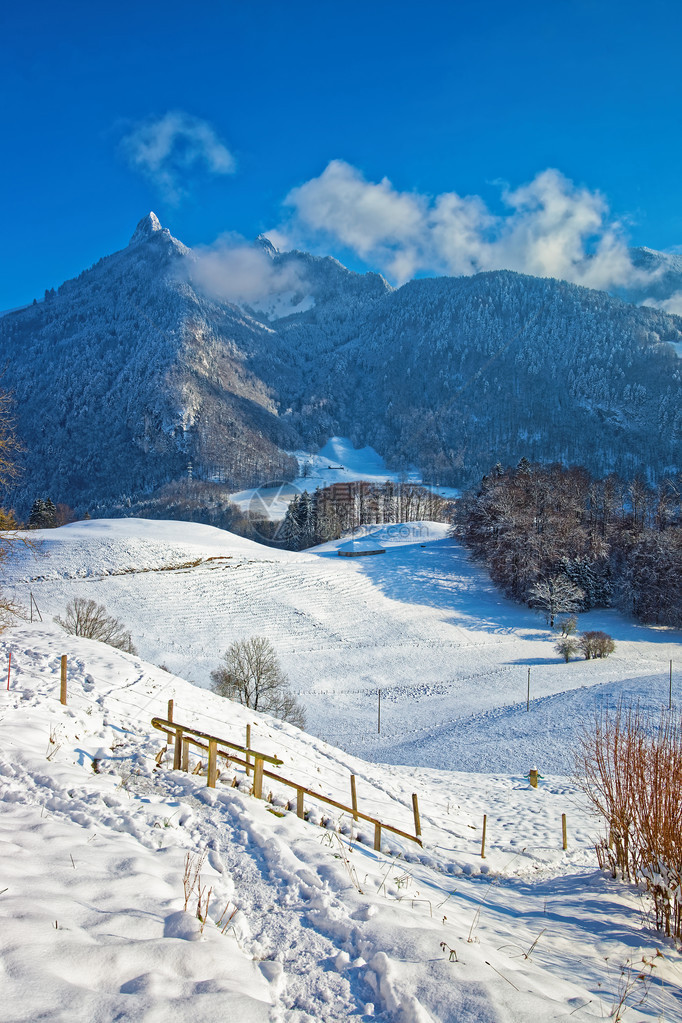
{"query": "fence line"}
[(186, 737), (211, 744)]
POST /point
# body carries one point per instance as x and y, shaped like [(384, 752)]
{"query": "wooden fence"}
[(183, 737)]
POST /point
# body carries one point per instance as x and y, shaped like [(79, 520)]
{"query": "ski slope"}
[(337, 462)]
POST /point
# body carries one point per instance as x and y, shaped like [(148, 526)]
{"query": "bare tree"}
[(93, 621), (252, 675), (555, 594), (567, 646)]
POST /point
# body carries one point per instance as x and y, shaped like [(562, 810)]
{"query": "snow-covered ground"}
[(337, 462), (305, 923), (317, 926), (420, 623)]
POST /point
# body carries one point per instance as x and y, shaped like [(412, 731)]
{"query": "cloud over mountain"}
[(234, 270), (551, 228)]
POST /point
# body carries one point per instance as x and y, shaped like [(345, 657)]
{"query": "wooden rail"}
[(186, 737)]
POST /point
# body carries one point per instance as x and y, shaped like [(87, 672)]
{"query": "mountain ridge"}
[(131, 372)]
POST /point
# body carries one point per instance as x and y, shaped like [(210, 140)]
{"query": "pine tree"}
[(43, 514), (290, 533), (305, 516)]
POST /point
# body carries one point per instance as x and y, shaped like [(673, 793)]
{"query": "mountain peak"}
[(146, 228), (267, 245)]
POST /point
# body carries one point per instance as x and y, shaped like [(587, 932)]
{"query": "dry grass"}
[(630, 767)]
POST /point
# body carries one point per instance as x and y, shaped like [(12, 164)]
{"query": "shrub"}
[(630, 767), (93, 621), (252, 675), (596, 644)]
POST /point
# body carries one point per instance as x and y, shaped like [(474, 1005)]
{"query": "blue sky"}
[(289, 117)]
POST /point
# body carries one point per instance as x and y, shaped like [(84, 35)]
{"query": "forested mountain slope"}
[(130, 373), (452, 373), (126, 375)]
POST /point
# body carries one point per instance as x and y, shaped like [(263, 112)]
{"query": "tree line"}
[(551, 532)]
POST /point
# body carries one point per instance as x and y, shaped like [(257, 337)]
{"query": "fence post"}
[(485, 823), (177, 753), (248, 746), (169, 736), (353, 797), (377, 836), (563, 831), (258, 779), (185, 754), (212, 772), (417, 820), (299, 803), (62, 696)]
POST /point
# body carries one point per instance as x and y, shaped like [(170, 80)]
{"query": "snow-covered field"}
[(420, 622), (317, 926)]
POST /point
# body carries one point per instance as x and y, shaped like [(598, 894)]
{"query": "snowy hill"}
[(306, 921), (421, 623)]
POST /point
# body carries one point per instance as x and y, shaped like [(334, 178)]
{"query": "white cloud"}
[(669, 305), (551, 228), (233, 270), (169, 148)]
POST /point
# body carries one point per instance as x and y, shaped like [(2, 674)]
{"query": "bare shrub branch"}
[(596, 644), (630, 768), (93, 621)]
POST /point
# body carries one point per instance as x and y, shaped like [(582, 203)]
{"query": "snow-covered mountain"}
[(663, 287), (146, 363), (127, 374)]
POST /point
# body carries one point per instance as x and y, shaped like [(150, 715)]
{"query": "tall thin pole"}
[(62, 696), (670, 698), (379, 715), (528, 693)]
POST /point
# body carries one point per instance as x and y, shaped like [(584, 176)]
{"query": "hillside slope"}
[(421, 623), (305, 921)]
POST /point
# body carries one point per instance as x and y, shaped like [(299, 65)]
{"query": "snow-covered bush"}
[(567, 646)]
